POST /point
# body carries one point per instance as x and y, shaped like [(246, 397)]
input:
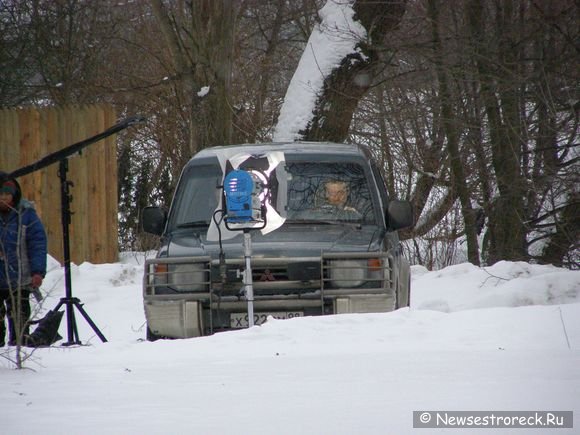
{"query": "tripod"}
[(62, 157), (70, 302)]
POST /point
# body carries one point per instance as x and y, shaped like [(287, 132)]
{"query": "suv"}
[(337, 250)]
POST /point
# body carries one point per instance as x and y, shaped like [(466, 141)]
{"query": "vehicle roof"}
[(318, 148)]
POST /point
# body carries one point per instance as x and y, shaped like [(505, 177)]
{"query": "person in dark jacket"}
[(23, 249)]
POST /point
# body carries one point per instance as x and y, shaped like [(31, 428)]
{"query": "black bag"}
[(46, 333)]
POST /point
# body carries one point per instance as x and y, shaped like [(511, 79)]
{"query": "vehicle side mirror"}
[(153, 220), (400, 214)]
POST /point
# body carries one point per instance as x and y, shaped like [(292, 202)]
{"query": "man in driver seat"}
[(336, 195)]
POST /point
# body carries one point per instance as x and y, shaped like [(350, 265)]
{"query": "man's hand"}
[(36, 280)]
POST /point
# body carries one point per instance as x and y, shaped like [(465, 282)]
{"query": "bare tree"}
[(344, 87), (472, 109), (452, 132)]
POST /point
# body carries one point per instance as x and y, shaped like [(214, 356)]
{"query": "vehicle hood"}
[(287, 241)]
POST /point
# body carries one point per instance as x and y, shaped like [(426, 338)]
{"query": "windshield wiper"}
[(322, 222), (193, 224)]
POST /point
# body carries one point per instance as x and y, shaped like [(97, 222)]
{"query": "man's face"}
[(6, 200), (336, 193)]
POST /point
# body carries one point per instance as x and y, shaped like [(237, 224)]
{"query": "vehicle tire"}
[(151, 336), (403, 295)]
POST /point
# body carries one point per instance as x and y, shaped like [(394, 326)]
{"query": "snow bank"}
[(505, 284)]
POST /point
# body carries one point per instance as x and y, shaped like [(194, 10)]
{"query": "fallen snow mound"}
[(505, 284)]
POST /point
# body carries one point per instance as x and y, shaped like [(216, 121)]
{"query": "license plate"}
[(240, 320)]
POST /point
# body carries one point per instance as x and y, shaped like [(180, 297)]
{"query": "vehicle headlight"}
[(347, 273), (182, 277), (355, 273)]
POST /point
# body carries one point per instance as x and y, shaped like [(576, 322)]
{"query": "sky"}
[(502, 338)]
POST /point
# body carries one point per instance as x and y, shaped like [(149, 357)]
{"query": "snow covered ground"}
[(504, 338)]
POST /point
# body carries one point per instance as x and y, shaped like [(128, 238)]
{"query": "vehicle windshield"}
[(318, 192), (328, 192), (197, 197)]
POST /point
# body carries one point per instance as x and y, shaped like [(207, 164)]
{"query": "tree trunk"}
[(348, 83), (506, 221), (386, 153), (201, 51), (565, 238), (451, 128)]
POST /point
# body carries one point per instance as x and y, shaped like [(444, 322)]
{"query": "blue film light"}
[(238, 190)]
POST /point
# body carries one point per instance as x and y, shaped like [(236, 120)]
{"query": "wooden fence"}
[(27, 135)]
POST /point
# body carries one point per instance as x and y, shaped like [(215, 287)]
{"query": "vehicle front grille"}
[(270, 273), (271, 276)]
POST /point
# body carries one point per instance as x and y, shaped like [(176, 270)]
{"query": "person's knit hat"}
[(9, 186)]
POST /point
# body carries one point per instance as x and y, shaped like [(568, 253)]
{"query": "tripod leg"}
[(89, 320), (71, 324), (72, 332), (60, 304)]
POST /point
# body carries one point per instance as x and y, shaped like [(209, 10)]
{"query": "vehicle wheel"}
[(403, 295), (151, 336)]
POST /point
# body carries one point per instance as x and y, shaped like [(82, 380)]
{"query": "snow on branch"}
[(336, 36)]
